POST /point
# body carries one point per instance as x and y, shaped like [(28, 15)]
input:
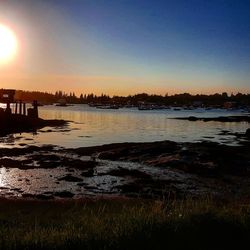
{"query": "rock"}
[(88, 173), (192, 118), (163, 161), (6, 162), (108, 155), (50, 157), (44, 197), (247, 133), (27, 195), (70, 178), (81, 184), (49, 164), (89, 187), (218, 119), (79, 164), (64, 194), (27, 150), (128, 172), (130, 188)]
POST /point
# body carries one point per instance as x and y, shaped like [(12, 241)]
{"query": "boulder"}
[(247, 133)]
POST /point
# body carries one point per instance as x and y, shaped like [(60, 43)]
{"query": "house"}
[(7, 95)]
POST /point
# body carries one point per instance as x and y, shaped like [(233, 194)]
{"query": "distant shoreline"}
[(245, 118)]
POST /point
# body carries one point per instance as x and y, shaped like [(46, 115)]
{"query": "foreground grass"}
[(123, 224)]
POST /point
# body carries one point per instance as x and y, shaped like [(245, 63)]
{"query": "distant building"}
[(7, 95)]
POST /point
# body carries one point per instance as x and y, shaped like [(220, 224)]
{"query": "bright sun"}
[(8, 44)]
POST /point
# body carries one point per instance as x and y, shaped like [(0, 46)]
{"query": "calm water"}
[(91, 126)]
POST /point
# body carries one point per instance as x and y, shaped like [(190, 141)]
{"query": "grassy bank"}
[(123, 224)]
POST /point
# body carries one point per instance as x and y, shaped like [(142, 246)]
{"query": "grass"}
[(123, 224)]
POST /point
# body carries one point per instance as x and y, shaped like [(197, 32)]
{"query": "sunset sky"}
[(127, 47)]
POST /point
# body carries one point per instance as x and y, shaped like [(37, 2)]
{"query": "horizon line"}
[(138, 93)]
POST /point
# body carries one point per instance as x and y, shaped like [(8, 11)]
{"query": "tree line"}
[(176, 99)]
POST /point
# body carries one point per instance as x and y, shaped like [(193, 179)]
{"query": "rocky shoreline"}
[(244, 118), (147, 170)]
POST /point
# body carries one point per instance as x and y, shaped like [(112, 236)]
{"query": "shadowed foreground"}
[(123, 224), (145, 170)]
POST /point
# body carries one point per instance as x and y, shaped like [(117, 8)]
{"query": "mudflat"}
[(146, 170)]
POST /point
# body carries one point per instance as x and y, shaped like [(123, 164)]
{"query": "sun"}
[(8, 44)]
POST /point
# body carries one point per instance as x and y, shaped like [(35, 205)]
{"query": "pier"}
[(20, 118), (7, 96)]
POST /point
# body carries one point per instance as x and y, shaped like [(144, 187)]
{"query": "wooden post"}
[(24, 108), (20, 107), (16, 108), (35, 108), (8, 109)]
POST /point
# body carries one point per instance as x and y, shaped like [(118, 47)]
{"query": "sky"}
[(123, 47)]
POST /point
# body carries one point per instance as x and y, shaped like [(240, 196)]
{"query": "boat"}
[(145, 107), (108, 107), (94, 105), (62, 103), (188, 108)]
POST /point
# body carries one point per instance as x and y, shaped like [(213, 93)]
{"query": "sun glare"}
[(8, 44)]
